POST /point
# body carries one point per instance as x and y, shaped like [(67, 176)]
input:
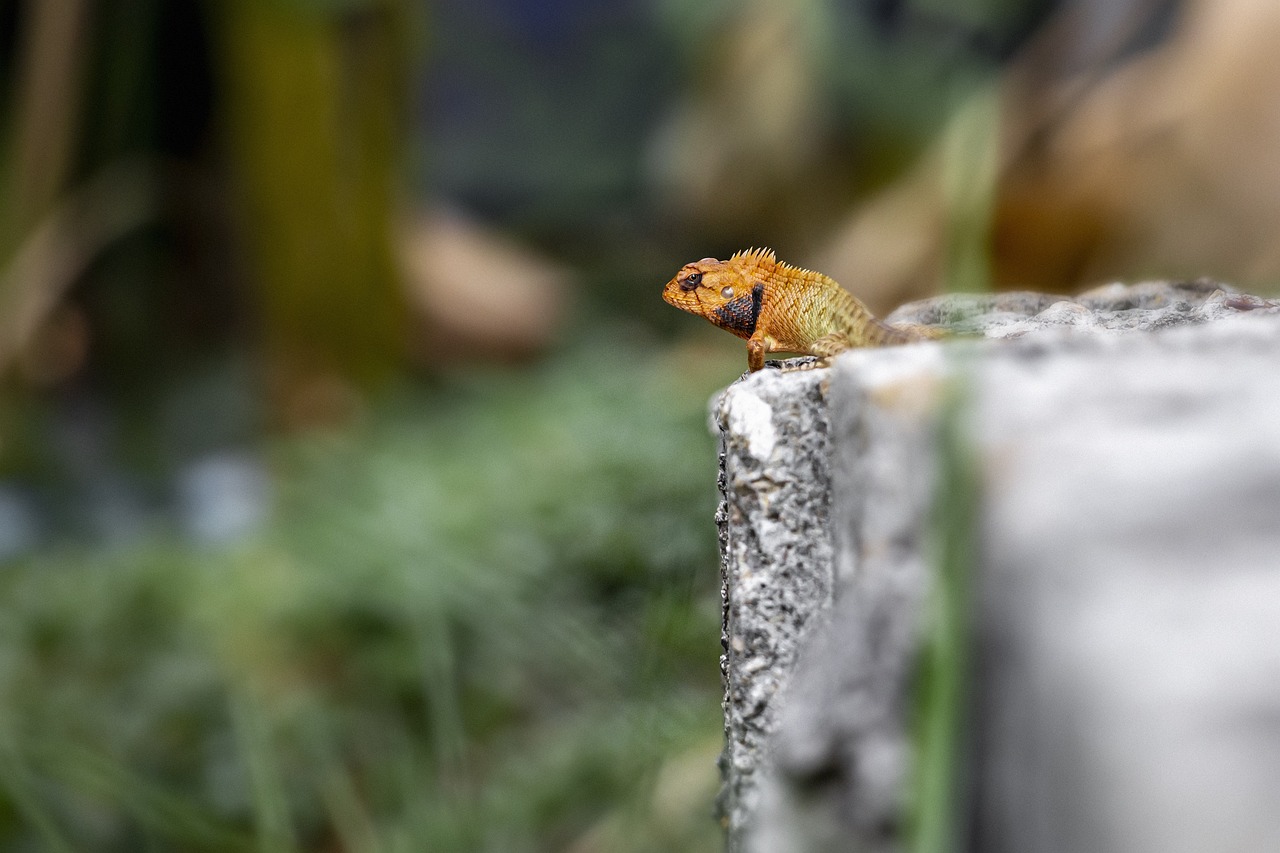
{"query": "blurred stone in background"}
[(223, 497), (475, 292), (19, 522)]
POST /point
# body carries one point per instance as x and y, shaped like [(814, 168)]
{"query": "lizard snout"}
[(673, 295)]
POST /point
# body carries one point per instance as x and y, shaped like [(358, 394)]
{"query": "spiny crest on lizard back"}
[(753, 258)]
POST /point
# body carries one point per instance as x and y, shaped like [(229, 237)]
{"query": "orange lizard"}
[(780, 308)]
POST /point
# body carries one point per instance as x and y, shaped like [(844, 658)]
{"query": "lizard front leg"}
[(756, 349), (823, 349)]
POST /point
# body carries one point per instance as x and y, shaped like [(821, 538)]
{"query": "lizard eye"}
[(693, 280), (727, 293)]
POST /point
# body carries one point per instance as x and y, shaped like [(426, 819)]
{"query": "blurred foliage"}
[(485, 619), (537, 115)]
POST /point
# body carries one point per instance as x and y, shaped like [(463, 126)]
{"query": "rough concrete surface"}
[(1131, 596), (776, 557), (1113, 463)]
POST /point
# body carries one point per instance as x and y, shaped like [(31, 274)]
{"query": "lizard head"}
[(723, 292)]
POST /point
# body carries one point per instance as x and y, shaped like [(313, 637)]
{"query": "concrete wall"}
[(1125, 684)]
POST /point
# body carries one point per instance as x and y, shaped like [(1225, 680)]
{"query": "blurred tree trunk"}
[(313, 103)]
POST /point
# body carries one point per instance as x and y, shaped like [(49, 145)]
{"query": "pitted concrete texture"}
[(776, 557)]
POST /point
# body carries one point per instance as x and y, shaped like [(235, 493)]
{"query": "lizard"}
[(776, 307)]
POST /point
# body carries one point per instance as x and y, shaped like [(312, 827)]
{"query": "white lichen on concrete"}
[(750, 420)]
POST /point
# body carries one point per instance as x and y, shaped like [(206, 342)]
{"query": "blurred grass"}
[(938, 805), (483, 619), (971, 151)]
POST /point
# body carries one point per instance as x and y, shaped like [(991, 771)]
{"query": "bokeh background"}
[(356, 491)]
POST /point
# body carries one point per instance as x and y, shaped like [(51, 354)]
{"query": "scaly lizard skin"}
[(780, 308)]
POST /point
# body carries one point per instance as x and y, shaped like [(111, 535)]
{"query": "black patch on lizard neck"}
[(740, 315)]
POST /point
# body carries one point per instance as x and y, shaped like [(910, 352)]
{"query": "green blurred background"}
[(356, 491)]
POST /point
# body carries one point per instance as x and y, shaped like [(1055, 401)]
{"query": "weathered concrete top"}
[(828, 485)]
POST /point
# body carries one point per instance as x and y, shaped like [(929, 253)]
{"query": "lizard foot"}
[(807, 362)]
